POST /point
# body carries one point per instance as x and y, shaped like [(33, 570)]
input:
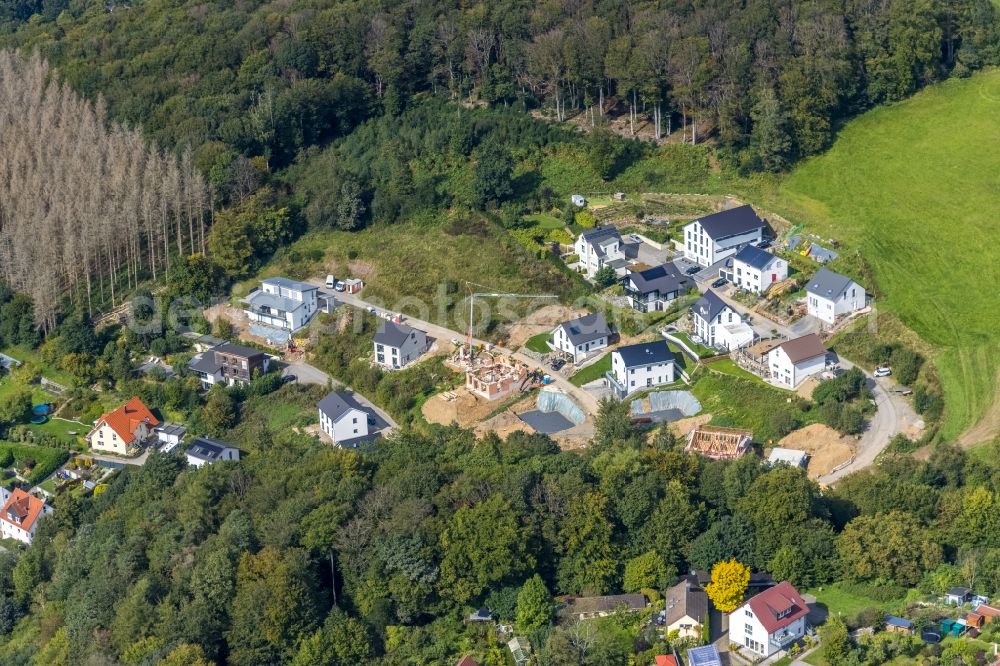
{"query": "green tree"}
[(219, 413), (613, 426), (645, 571), (15, 405), (604, 150), (588, 564), (534, 605), (835, 641), (491, 176), (605, 277), (342, 641), (891, 546)]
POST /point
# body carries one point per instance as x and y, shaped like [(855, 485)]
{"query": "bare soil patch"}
[(683, 427), (826, 447), (541, 320), (806, 388), (987, 427)]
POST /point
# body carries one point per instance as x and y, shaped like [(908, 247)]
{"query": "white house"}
[(122, 431), (578, 200), (228, 364), (719, 325), (714, 237), (769, 621), (654, 289), (794, 360), (829, 295), (640, 366), (170, 435), (600, 247), (344, 423), (204, 451), (756, 270), (20, 514), (397, 345), (581, 336), (282, 303)]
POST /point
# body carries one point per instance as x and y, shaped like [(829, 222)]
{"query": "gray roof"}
[(709, 306), (686, 598), (392, 334), (828, 284), (664, 279), (175, 429), (207, 449), (598, 235), (237, 350), (731, 222), (285, 283), (821, 254), (273, 301), (204, 362), (586, 328), (793, 457), (334, 406), (645, 353), (754, 257)]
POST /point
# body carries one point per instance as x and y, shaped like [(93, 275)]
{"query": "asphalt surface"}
[(547, 423), (309, 374)]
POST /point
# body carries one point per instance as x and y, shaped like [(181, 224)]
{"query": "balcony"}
[(619, 390)]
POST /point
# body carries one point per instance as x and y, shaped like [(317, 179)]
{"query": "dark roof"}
[(664, 279), (960, 591), (767, 605), (285, 283), (467, 661), (709, 306), (334, 406), (828, 284), (754, 257), (686, 598), (236, 350), (645, 353), (586, 328), (801, 349), (172, 429), (204, 362), (598, 234), (731, 222), (392, 334), (705, 655), (207, 449), (758, 579), (898, 621), (605, 604)]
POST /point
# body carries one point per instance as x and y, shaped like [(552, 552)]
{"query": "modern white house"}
[(640, 366), (20, 514), (282, 303), (398, 345), (581, 336), (600, 247), (654, 289), (756, 270), (830, 295), (719, 325), (793, 361), (769, 621), (342, 422), (712, 238), (170, 435), (205, 451), (124, 430), (228, 364)]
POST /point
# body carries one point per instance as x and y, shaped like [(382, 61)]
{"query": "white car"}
[(884, 371)]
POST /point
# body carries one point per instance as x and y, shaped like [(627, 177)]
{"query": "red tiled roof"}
[(127, 418), (782, 597), (987, 611), (467, 661), (24, 507), (665, 660)]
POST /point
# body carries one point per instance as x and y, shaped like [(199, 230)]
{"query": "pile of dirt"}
[(461, 407), (541, 320), (683, 427), (826, 447), (503, 424)]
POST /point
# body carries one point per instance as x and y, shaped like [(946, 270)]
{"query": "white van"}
[(330, 281)]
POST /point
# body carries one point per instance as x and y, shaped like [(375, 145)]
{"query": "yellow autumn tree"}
[(729, 583)]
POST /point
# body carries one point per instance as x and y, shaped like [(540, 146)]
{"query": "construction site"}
[(719, 443), (493, 375)]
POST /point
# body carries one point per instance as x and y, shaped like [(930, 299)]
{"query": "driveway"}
[(310, 374)]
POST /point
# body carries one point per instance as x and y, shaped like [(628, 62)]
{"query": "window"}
[(354, 420), (748, 613), (749, 629)]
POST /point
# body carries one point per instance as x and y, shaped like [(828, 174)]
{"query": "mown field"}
[(914, 188)]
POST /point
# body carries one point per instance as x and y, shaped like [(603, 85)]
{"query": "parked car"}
[(455, 342), (635, 238), (288, 379), (764, 244), (693, 270), (721, 282), (883, 371), (330, 281), (371, 420), (340, 286), (557, 363)]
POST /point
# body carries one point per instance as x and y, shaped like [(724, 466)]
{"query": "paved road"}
[(584, 399), (310, 374)]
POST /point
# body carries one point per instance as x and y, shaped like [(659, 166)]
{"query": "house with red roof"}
[(20, 514), (665, 660), (124, 430), (769, 621)]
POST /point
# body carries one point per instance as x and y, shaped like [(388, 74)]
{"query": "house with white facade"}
[(581, 336), (756, 270), (654, 289), (600, 247), (719, 325), (20, 514), (205, 451), (283, 304), (686, 608), (769, 621), (793, 361), (712, 238), (398, 345), (228, 364), (344, 423), (124, 430), (830, 295), (640, 366)]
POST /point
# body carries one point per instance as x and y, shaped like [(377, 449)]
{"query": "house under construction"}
[(492, 375), (719, 443)]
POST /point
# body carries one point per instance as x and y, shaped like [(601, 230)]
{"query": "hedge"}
[(47, 460)]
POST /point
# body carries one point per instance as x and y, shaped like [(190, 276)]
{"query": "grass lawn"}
[(537, 343), (815, 658), (26, 355), (593, 371), (844, 601), (727, 367), (917, 196), (545, 221), (701, 350), (741, 403)]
